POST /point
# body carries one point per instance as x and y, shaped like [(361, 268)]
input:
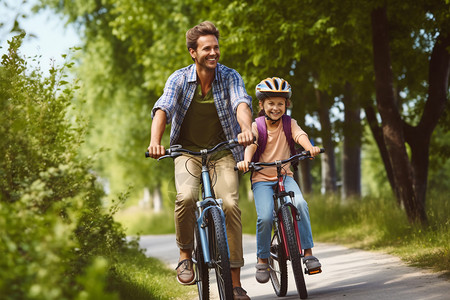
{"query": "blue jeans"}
[(263, 194)]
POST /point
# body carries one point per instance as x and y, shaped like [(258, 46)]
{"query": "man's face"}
[(207, 53)]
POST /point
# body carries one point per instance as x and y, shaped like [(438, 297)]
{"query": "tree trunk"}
[(305, 178), (377, 133), (351, 154), (328, 158), (392, 123), (419, 137)]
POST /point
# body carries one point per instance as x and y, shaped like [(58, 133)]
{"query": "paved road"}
[(347, 274)]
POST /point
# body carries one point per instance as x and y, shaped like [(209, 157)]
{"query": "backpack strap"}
[(288, 132), (262, 137)]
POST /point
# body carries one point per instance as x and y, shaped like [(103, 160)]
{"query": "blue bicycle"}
[(210, 237)]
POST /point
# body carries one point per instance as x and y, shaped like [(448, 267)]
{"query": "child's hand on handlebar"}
[(156, 151), (314, 151), (243, 166)]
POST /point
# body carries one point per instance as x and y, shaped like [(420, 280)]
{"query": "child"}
[(274, 94)]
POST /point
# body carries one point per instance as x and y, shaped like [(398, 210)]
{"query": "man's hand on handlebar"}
[(156, 151), (245, 138)]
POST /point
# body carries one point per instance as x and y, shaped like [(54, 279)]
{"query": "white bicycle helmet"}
[(273, 87)]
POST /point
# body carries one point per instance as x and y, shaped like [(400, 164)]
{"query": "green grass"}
[(381, 225), (139, 221), (138, 277)]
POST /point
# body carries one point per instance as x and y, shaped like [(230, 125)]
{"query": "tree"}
[(352, 132), (330, 47), (409, 176)]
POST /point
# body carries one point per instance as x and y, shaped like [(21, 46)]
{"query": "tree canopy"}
[(328, 47)]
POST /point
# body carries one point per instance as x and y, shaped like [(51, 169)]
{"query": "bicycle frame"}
[(210, 230)]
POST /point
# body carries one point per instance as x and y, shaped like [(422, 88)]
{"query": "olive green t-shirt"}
[(201, 128)]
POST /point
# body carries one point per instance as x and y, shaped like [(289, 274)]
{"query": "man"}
[(206, 103)]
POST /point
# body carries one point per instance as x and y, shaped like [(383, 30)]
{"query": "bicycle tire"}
[(202, 271), (278, 266), (294, 252), (218, 248)]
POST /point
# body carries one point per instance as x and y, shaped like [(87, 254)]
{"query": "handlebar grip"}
[(167, 152), (322, 150), (236, 168)]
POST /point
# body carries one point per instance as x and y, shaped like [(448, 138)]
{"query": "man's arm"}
[(244, 118), (155, 149)]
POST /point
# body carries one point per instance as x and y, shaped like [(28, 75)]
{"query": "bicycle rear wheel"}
[(218, 247), (294, 251), (202, 271), (278, 266)]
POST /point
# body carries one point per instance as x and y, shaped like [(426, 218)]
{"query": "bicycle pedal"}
[(313, 271)]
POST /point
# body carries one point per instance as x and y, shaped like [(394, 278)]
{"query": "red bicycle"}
[(285, 243)]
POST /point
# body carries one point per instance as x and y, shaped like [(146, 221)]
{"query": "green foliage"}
[(138, 221), (374, 181), (94, 282), (131, 47), (440, 161), (52, 221)]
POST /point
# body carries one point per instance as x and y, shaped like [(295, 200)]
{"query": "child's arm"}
[(248, 155), (306, 144), (301, 138)]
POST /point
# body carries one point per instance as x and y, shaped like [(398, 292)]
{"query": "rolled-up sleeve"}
[(168, 99), (297, 131), (238, 94)]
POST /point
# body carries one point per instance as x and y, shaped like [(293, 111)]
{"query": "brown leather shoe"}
[(185, 272), (240, 294)]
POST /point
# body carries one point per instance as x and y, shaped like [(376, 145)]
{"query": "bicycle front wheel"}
[(202, 271), (294, 251), (218, 247), (278, 266)]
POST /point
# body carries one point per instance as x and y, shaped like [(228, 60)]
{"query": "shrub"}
[(55, 234)]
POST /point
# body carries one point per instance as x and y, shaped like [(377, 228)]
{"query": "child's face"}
[(275, 107)]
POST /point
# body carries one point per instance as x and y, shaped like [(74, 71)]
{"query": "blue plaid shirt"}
[(228, 91)]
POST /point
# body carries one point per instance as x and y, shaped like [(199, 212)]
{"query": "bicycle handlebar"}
[(176, 150), (257, 166)]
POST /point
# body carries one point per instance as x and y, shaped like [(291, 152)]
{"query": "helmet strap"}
[(269, 118)]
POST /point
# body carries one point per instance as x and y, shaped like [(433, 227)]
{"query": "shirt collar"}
[(193, 73)]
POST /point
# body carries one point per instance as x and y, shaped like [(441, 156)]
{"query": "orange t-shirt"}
[(277, 148)]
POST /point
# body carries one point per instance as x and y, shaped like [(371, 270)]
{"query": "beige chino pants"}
[(226, 187)]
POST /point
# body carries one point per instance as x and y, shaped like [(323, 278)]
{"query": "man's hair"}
[(204, 28)]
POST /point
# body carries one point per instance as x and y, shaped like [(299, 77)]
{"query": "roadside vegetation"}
[(370, 223), (379, 224), (58, 239)]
